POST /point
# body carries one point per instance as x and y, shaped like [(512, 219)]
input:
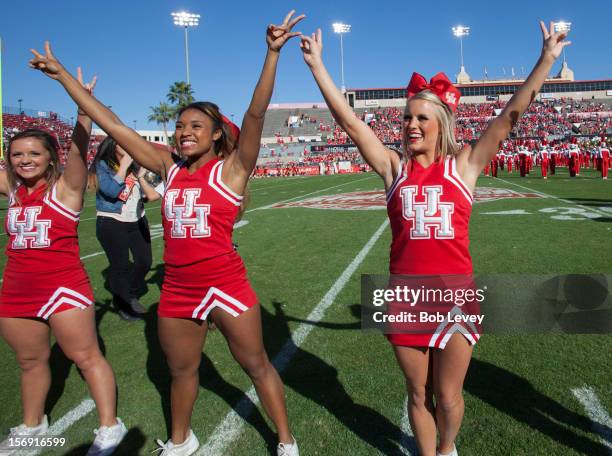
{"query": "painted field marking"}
[(61, 426), (602, 424), (512, 212), (307, 194), (231, 426), (273, 187), (546, 195), (407, 443)]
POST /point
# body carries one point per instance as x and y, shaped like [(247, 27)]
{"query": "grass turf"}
[(345, 393)]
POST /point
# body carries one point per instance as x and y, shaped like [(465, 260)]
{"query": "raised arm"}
[(242, 162), (489, 143), (73, 181), (145, 154), (380, 158)]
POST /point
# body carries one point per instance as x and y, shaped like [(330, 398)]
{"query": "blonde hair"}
[(446, 144)]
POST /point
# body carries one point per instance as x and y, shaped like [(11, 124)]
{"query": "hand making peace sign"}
[(278, 35)]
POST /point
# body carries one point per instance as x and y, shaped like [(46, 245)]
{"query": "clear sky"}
[(137, 52)]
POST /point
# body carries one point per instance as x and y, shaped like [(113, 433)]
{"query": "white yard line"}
[(407, 442), (230, 428), (274, 187), (91, 255), (602, 424), (61, 426), (546, 195), (307, 194)]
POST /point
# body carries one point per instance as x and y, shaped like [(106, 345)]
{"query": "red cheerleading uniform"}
[(202, 268), (43, 274), (429, 211)]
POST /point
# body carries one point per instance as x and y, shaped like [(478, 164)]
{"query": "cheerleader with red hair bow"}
[(429, 198)]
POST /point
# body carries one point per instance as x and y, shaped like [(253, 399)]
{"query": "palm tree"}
[(181, 94), (162, 114)]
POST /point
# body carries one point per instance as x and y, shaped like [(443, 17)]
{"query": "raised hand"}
[(312, 47), (89, 86), (278, 35), (47, 63), (553, 41)]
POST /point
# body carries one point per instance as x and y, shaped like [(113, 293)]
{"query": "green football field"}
[(525, 395)]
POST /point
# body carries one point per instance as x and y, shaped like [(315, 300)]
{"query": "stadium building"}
[(483, 91)]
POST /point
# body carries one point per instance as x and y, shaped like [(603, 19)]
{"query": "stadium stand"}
[(307, 135)]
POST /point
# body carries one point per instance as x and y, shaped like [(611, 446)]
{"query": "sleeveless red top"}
[(429, 211), (198, 214)]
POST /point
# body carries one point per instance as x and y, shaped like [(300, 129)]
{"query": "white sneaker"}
[(187, 448), (288, 449), (452, 453), (107, 439), (23, 431)]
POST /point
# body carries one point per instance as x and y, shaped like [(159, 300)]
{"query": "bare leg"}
[(415, 364), (29, 339), (449, 369), (245, 341), (75, 332), (182, 341)]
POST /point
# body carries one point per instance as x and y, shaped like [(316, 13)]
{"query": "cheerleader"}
[(205, 278), (45, 287), (429, 201)]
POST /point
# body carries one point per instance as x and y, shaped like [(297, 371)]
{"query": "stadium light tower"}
[(460, 31), (562, 26), (341, 29), (186, 20)]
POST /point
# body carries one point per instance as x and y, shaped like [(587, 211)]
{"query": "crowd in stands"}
[(548, 119), (543, 119), (14, 123)]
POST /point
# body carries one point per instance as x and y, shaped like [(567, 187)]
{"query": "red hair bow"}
[(232, 126), (440, 85)]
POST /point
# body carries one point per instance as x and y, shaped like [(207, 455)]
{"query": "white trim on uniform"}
[(451, 174), (214, 180), (401, 177), (54, 203), (66, 296), (174, 169), (217, 298), (443, 329)]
